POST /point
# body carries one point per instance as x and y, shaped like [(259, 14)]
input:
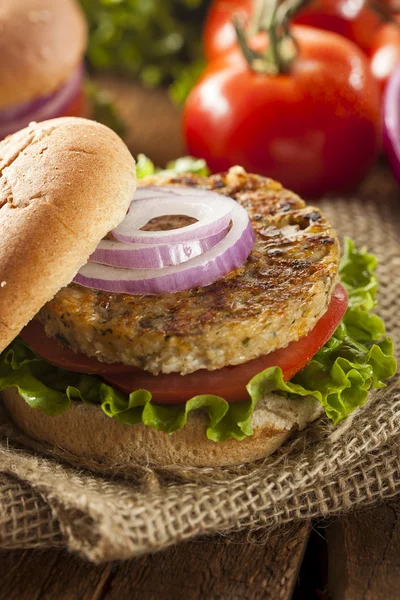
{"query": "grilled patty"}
[(276, 297)]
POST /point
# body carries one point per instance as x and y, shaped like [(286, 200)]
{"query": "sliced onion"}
[(391, 122), (212, 211), (152, 256), (18, 116), (227, 255)]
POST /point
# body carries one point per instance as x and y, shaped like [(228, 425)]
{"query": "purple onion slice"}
[(391, 122), (152, 256), (226, 256), (212, 211), (16, 117)]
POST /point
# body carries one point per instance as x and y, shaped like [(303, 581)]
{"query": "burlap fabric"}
[(323, 471)]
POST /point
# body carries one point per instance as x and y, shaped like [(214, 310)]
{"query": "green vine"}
[(273, 18)]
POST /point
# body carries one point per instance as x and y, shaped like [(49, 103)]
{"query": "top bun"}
[(64, 184), (41, 43)]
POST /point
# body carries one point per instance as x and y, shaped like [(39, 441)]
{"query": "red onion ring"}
[(391, 122), (16, 117), (224, 257), (151, 256), (212, 211)]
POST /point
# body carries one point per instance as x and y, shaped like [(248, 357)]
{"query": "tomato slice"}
[(173, 388), (60, 356)]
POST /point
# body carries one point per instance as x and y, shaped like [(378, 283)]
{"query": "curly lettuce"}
[(185, 164), (357, 358)]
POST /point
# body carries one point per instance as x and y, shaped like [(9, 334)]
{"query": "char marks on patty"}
[(276, 297)]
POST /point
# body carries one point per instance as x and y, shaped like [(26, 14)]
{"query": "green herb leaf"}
[(153, 40)]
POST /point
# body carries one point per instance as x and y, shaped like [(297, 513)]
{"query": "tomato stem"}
[(270, 28), (273, 18), (385, 14)]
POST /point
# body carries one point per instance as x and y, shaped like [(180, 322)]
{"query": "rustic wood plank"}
[(216, 568), (312, 581), (364, 554), (23, 572), (50, 575), (208, 568), (72, 578), (153, 123)]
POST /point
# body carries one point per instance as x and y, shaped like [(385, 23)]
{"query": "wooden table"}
[(356, 557)]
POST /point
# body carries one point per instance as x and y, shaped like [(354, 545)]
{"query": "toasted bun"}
[(87, 433), (64, 184), (41, 42)]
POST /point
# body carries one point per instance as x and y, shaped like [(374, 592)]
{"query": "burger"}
[(42, 43), (186, 319)]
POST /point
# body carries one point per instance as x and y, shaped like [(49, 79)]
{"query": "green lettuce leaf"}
[(356, 359), (185, 164)]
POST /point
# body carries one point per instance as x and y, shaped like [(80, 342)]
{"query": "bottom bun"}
[(86, 432)]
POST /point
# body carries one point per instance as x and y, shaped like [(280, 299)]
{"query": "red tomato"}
[(230, 382), (219, 32), (77, 108), (316, 129), (349, 18), (61, 356), (385, 52)]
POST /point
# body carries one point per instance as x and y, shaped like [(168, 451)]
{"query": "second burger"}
[(42, 44)]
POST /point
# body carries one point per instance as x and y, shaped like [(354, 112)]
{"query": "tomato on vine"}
[(298, 105), (355, 20), (385, 51)]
